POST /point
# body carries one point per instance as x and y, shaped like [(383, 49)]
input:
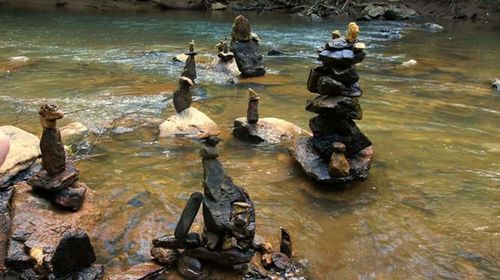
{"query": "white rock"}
[(188, 123), (19, 58), (24, 150), (218, 6), (495, 84), (180, 58), (269, 130), (409, 63), (73, 133), (433, 27)]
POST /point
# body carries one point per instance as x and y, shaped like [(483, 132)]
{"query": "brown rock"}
[(281, 261), (253, 107), (139, 272), (72, 197), (339, 166), (167, 257), (241, 29), (53, 153), (267, 260)]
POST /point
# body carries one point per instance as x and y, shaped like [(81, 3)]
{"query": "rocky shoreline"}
[(476, 10)]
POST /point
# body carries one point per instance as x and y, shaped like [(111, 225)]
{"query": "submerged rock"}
[(432, 27), (188, 123), (189, 267), (139, 272), (73, 133), (23, 152)]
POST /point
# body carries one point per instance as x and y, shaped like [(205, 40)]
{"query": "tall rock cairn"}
[(338, 151)]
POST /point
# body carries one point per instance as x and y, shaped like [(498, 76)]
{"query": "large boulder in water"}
[(269, 130), (189, 123), (248, 58), (24, 150), (181, 4)]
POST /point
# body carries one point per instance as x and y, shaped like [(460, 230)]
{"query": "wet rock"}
[(24, 150), (73, 133), (189, 70), (227, 258), (267, 260), (139, 272), (94, 272), (73, 253), (399, 12), (166, 257), (332, 87), (269, 130), (211, 239), (280, 260), (189, 267), (253, 107), (5, 220), (71, 197), (188, 214), (346, 76), (286, 243), (432, 27), (339, 106), (360, 163), (188, 123), (495, 84), (274, 53), (181, 4), (55, 183), (191, 240), (248, 58), (180, 58), (17, 257), (228, 68)]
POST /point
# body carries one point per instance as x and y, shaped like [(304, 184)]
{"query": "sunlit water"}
[(429, 209)]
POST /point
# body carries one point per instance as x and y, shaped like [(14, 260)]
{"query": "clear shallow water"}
[(430, 208)]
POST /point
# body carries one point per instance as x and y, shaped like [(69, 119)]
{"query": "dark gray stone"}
[(191, 240), (286, 243), (183, 95), (329, 86), (16, 257), (248, 58), (188, 214), (53, 153), (338, 106), (189, 267), (227, 258), (189, 70), (74, 253), (338, 44), (253, 111), (347, 76), (209, 152)]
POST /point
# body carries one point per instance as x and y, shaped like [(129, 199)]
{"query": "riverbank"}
[(477, 10)]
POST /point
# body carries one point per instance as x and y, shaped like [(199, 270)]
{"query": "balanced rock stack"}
[(246, 49), (338, 151), (225, 62), (229, 218), (59, 177), (268, 130), (188, 121)]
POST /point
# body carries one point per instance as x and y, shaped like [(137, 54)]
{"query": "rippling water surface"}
[(430, 208)]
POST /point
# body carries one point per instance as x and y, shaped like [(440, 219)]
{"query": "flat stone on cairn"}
[(246, 49), (268, 130), (338, 152), (58, 178)]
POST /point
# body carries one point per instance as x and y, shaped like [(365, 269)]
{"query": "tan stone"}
[(339, 166), (188, 123)]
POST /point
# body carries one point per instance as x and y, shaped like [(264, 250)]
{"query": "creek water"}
[(429, 209)]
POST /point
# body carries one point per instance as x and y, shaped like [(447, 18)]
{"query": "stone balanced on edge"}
[(59, 177), (338, 152), (229, 218)]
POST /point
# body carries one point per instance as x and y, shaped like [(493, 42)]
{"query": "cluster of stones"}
[(58, 177), (246, 49), (229, 218), (338, 151)]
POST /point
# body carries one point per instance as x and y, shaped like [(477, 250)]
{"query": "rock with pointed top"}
[(241, 30), (183, 94)]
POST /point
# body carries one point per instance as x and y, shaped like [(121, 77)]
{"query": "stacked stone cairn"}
[(338, 152), (58, 177), (246, 49), (188, 121), (229, 219)]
